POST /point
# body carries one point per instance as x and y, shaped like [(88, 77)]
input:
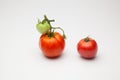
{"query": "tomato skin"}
[(52, 46), (87, 49)]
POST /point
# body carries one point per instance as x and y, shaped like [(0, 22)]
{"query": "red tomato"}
[(52, 46), (87, 47)]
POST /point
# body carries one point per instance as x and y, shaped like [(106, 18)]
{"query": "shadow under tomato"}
[(53, 57), (93, 58), (57, 57)]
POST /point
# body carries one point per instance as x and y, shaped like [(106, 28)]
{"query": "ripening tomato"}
[(43, 27), (87, 47), (52, 46)]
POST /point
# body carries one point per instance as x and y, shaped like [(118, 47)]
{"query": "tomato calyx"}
[(51, 30), (87, 39)]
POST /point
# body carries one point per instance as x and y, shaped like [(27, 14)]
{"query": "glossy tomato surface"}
[(52, 46), (87, 49)]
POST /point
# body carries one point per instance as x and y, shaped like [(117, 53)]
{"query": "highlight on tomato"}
[(87, 48), (51, 43)]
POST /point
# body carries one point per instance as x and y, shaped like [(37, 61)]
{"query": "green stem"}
[(51, 32), (60, 29), (39, 21), (51, 20), (45, 17)]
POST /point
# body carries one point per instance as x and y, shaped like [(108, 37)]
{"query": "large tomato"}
[(52, 46), (87, 47)]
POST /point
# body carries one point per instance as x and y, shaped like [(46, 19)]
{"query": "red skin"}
[(87, 49), (52, 46)]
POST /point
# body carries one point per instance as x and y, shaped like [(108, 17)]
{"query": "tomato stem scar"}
[(87, 39)]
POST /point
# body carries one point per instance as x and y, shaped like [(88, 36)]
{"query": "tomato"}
[(87, 47), (43, 27), (51, 43), (52, 46)]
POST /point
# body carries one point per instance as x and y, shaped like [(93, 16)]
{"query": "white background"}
[(21, 58)]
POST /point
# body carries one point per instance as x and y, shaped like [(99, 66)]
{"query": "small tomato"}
[(87, 47), (43, 27)]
